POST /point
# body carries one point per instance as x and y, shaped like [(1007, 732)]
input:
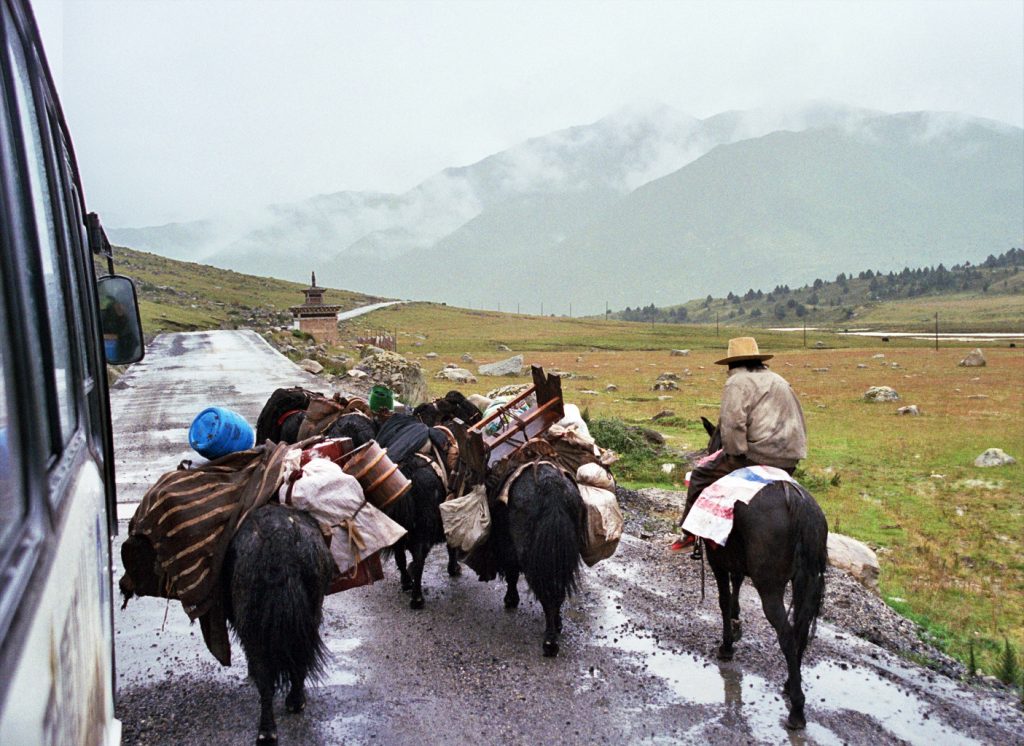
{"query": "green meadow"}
[(948, 534)]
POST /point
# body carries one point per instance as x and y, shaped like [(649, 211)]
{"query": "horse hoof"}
[(266, 736), (406, 585), (295, 706), (724, 653), (737, 630), (550, 648), (417, 603)]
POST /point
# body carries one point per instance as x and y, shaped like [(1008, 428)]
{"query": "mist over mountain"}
[(648, 205)]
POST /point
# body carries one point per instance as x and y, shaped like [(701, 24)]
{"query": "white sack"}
[(335, 499), (596, 476), (466, 519), (604, 523)]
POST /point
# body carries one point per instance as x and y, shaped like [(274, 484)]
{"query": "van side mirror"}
[(119, 319)]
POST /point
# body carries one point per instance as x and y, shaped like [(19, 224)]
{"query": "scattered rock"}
[(611, 387), (668, 376), (311, 366), (504, 348), (652, 436), (456, 375), (467, 358), (668, 468), (431, 356), (679, 353), (369, 350), (879, 356), (665, 397), (894, 365), (665, 386), (512, 366), (994, 457), (512, 390), (819, 345), (862, 365), (663, 414), (357, 374), (978, 396), (910, 409), (588, 392), (819, 370), (402, 376), (881, 393), (974, 359), (855, 557)]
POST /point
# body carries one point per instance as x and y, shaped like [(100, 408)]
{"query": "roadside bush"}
[(639, 461)]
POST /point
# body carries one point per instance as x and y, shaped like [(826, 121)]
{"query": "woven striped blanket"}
[(712, 515), (180, 533)]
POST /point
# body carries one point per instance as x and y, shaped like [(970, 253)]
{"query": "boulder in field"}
[(311, 366), (679, 353), (665, 386), (663, 414), (456, 375), (975, 359), (881, 393), (994, 457), (854, 557), (910, 409), (512, 366)]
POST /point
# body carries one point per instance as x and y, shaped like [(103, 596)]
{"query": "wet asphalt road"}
[(637, 661)]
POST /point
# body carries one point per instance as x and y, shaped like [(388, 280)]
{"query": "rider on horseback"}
[(761, 422)]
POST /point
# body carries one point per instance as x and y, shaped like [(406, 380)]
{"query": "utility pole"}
[(716, 323), (570, 310), (542, 308), (936, 331), (805, 332)]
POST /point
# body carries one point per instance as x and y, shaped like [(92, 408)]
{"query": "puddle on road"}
[(830, 686), (749, 698), (340, 671)]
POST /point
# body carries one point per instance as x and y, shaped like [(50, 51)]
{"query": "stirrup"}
[(698, 551)]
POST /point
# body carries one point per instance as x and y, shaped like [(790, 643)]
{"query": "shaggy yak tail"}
[(810, 558), (279, 567), (547, 517)]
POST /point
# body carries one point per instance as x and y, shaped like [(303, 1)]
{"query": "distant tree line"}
[(838, 298)]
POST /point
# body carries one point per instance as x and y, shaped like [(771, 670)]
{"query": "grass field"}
[(948, 534)]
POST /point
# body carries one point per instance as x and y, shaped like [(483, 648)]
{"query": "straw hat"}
[(742, 348)]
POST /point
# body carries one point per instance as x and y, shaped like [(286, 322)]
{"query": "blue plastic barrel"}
[(110, 348), (217, 431)]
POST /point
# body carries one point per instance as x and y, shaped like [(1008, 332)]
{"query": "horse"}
[(539, 533), (777, 539), (276, 571)]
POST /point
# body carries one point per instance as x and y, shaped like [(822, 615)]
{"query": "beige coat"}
[(761, 419)]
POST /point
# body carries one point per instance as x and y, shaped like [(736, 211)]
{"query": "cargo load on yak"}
[(538, 427), (180, 533)]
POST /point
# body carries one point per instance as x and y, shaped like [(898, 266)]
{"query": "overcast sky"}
[(182, 110)]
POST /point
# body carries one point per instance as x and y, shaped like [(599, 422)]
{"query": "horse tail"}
[(547, 523), (811, 559), (278, 571)]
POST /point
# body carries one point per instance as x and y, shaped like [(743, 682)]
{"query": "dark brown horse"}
[(777, 539)]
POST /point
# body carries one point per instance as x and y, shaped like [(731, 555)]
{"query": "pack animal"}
[(540, 534), (418, 511), (276, 571), (778, 539)]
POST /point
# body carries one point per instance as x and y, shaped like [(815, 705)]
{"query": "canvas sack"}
[(467, 519), (604, 523)]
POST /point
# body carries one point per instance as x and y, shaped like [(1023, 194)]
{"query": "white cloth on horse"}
[(712, 515), (335, 499)]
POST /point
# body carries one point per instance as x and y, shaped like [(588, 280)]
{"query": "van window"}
[(12, 502), (54, 311)]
